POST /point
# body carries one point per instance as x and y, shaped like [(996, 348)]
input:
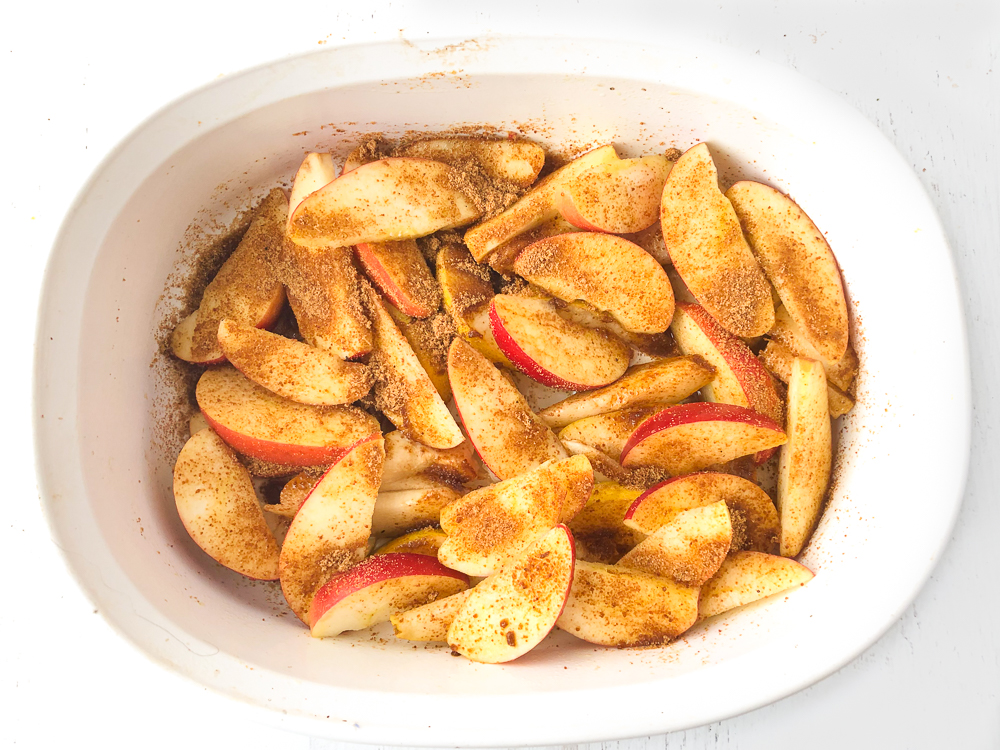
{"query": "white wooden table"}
[(78, 76)]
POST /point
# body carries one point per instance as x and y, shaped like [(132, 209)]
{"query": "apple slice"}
[(654, 345), (748, 577), (258, 423), (405, 458), (609, 433), (598, 529), (429, 338), (513, 610), (703, 236), (503, 256), (517, 162), (668, 381), (317, 170), (374, 590), (246, 289), (506, 434), (535, 207), (651, 240), (397, 511), (400, 272), (690, 437), (403, 391), (778, 359), (218, 507), (804, 466), (552, 350), (798, 261), (294, 493), (429, 622), (754, 519), (420, 542), (620, 197), (330, 532), (689, 549), (839, 372), (613, 606), (578, 481), (292, 369), (609, 272), (389, 199), (197, 423)]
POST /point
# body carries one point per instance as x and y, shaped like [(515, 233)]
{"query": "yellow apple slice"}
[(609, 272), (747, 577), (218, 507), (778, 359), (798, 261), (389, 199), (513, 610), (613, 606), (429, 338), (839, 372), (667, 381), (804, 466), (598, 529), (317, 170), (400, 272), (609, 432), (429, 622), (705, 242), (517, 162)]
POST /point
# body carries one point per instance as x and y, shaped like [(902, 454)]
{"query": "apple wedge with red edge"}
[(400, 272), (377, 588), (666, 381), (612, 274), (512, 611), (689, 549), (614, 606), (503, 429), (329, 533), (403, 390), (610, 432), (217, 504), (746, 577), (292, 369), (778, 358), (702, 234), (690, 437), (261, 424), (799, 262), (621, 197), (806, 459), (552, 350), (388, 199), (429, 622), (598, 529)]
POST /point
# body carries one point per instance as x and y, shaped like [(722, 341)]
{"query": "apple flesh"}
[(798, 261), (513, 610), (218, 507), (690, 437), (804, 465), (611, 273), (703, 236), (400, 272), (667, 381), (613, 606), (598, 529), (609, 433), (258, 423), (747, 577), (778, 359), (397, 511), (317, 170), (653, 345), (425, 541), (502, 258), (389, 199), (839, 372), (552, 350), (429, 622), (377, 588), (429, 338), (505, 432), (405, 458), (516, 162)]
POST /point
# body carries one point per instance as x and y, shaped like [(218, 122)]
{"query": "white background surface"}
[(78, 77)]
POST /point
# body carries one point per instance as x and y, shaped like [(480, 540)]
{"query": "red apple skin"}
[(419, 295), (374, 570)]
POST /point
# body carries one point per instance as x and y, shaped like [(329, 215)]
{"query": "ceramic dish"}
[(105, 444)]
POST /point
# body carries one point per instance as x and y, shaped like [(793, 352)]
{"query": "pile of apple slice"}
[(373, 446)]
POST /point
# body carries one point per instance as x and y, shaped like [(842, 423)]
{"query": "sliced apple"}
[(747, 577), (613, 606), (839, 372), (705, 242), (294, 493), (777, 358), (218, 507), (654, 345), (689, 549), (420, 542), (389, 199), (535, 207), (610, 432), (400, 272), (397, 511), (374, 590), (429, 338), (513, 610), (754, 520), (403, 391), (503, 256), (506, 434), (620, 197), (578, 480), (552, 350), (798, 261), (804, 466), (292, 369), (405, 458), (258, 423), (429, 622), (517, 162), (598, 529), (329, 534), (690, 437), (317, 170), (651, 240), (667, 381)]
